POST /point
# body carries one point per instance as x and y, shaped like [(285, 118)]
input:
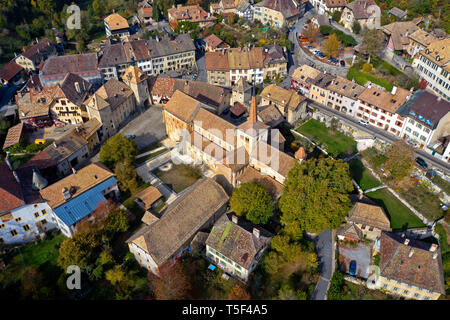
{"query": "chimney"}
[(433, 247), (22, 113), (234, 219), (74, 171), (411, 252), (16, 176), (66, 193), (406, 242), (54, 144), (256, 232), (435, 255), (77, 87), (394, 90)]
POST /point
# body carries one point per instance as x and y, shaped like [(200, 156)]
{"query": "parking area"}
[(359, 252), (148, 127)]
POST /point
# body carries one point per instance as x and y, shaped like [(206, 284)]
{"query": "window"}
[(2, 226), (18, 219), (44, 211), (14, 232), (43, 221), (36, 214), (26, 227)]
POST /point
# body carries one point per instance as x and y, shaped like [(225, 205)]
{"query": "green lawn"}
[(356, 292), (401, 217), (362, 175), (178, 178), (361, 78), (43, 254), (335, 142)]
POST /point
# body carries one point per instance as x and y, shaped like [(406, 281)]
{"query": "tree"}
[(372, 42), (331, 46), (283, 251), (315, 196), (156, 12), (78, 250), (118, 148), (311, 32), (115, 275), (126, 176), (117, 222), (337, 15), (356, 27), (400, 160), (286, 292), (105, 258), (32, 282), (171, 285), (252, 201), (238, 292)]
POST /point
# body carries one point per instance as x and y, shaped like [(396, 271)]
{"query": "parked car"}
[(421, 162), (352, 268), (309, 46), (342, 63), (130, 136), (363, 122)]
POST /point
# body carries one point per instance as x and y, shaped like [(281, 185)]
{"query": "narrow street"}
[(324, 244)]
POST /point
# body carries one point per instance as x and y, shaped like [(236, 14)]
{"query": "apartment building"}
[(379, 107), (302, 77), (112, 104), (195, 14), (153, 56), (325, 6), (275, 61), (226, 68), (433, 66), (319, 88), (279, 13), (427, 118), (419, 40), (362, 12), (236, 246), (410, 268), (343, 95)]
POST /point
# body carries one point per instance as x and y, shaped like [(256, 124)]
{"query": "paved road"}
[(148, 127), (201, 67), (380, 134), (324, 249)]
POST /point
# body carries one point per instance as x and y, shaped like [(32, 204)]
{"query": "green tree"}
[(286, 292), (372, 42), (315, 196), (337, 16), (156, 13), (252, 201), (105, 258), (117, 221), (115, 275), (356, 27), (118, 148), (126, 176), (79, 249), (400, 160)]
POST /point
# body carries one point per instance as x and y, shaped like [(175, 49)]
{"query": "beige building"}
[(410, 268), (419, 40), (241, 92), (36, 53), (225, 68), (136, 79), (195, 14), (290, 104), (275, 61), (112, 104), (363, 12), (279, 13), (116, 26)]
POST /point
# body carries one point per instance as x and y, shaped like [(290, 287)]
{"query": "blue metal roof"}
[(79, 207)]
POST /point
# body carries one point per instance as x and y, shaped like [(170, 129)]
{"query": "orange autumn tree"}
[(239, 293), (173, 283)]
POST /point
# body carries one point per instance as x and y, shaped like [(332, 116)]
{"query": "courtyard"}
[(359, 252), (179, 176)]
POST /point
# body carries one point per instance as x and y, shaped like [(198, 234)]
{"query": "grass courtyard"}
[(179, 177), (362, 175), (335, 142), (399, 215)]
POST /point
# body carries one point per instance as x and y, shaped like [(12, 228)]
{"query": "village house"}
[(193, 14), (11, 73), (225, 68), (343, 95), (398, 13), (35, 54), (153, 56), (241, 92), (149, 198), (368, 221), (236, 246), (145, 16), (419, 40), (56, 68), (410, 268), (196, 209), (279, 13), (397, 34), (319, 88), (275, 61), (427, 118), (224, 7), (112, 105), (78, 195), (302, 78), (379, 108), (116, 26), (290, 104), (362, 12), (34, 106), (214, 43), (24, 215), (326, 6), (432, 65), (137, 79), (162, 89)]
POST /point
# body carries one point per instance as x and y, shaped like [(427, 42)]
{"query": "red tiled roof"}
[(13, 135), (11, 196), (10, 70)]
